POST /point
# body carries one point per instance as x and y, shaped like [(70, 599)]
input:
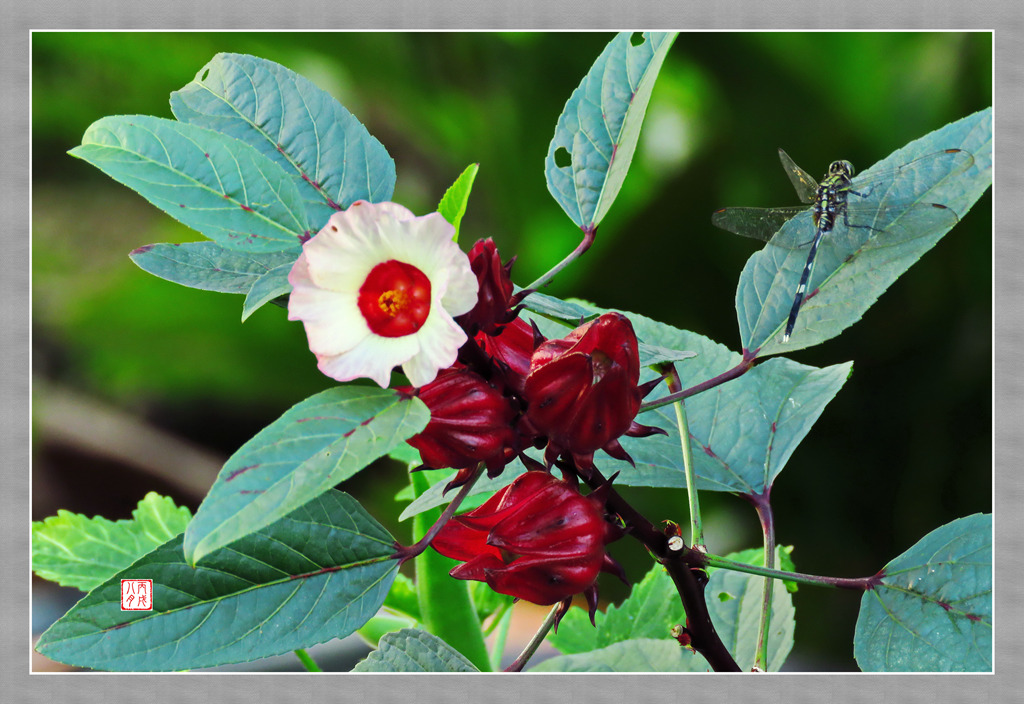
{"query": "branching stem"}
[(685, 567)]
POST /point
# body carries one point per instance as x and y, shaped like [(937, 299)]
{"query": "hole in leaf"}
[(725, 596), (636, 38), (563, 158), (206, 72)]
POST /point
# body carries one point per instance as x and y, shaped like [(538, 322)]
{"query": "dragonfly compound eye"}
[(843, 167)]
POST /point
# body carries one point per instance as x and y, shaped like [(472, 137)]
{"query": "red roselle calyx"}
[(583, 391), (470, 422), (537, 539), (494, 300), (511, 349)]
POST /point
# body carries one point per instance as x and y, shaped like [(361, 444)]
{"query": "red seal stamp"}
[(136, 595)]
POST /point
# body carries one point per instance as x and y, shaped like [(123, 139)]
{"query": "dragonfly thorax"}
[(831, 196)]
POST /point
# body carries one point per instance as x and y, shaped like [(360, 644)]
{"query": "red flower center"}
[(395, 299)]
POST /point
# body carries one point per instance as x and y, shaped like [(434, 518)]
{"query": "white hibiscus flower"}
[(378, 287)]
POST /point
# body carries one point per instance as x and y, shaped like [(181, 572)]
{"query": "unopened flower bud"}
[(537, 539), (470, 422), (494, 300), (583, 390)]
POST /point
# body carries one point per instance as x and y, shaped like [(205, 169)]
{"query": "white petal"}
[(332, 320), (439, 342), (374, 357), (366, 215), (430, 248), (422, 242), (340, 257), (463, 287), (299, 275)]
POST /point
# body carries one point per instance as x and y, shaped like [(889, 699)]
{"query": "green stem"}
[(503, 621), (538, 638), (696, 526), (763, 507), (446, 608), (307, 662), (859, 584)]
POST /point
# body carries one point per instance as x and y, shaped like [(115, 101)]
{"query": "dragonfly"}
[(881, 206)]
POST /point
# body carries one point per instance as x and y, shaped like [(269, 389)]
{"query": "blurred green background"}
[(141, 384)]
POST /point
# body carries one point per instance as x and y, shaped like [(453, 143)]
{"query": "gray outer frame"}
[(465, 14)]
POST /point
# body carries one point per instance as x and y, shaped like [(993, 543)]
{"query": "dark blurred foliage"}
[(905, 446)]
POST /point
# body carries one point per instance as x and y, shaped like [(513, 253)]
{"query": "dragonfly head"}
[(841, 168)]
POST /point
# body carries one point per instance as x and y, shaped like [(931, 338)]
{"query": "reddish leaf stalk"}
[(408, 552), (583, 246), (860, 584), (739, 370), (762, 504)]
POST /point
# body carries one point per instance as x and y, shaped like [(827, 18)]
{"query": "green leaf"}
[(486, 601), (383, 623), (651, 609), (272, 284), (638, 655), (406, 454), (328, 154), (402, 597), (208, 266), (932, 611), (651, 355), (572, 310), (654, 606), (316, 574), (456, 198), (316, 444), (434, 496), (577, 313), (850, 276), (600, 125), (400, 610), (411, 650), (734, 600), (743, 432), (210, 182), (76, 551)]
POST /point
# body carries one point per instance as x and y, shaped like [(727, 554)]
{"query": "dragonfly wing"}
[(805, 185), (864, 228), (758, 223), (911, 181)]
